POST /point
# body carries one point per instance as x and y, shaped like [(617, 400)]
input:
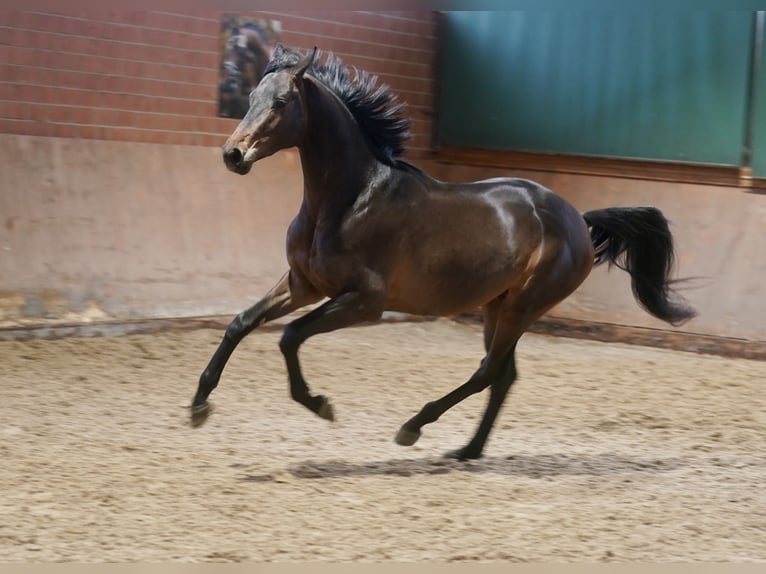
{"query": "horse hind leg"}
[(501, 363), (556, 274), (505, 320), (491, 312), (410, 431)]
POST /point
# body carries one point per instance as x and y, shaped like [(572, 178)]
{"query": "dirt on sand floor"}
[(603, 452)]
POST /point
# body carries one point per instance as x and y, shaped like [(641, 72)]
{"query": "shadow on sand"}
[(531, 466)]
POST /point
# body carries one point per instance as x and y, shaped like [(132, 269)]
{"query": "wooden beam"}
[(723, 175)]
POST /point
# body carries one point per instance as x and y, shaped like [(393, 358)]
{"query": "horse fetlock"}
[(430, 413), (209, 379)]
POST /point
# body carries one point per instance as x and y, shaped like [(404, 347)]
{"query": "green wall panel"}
[(759, 120), (667, 86)]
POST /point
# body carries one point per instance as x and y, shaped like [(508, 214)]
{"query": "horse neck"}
[(335, 156)]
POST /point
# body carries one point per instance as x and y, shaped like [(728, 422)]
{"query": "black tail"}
[(638, 240)]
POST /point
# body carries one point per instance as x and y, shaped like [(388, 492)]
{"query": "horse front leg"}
[(289, 294), (342, 311)]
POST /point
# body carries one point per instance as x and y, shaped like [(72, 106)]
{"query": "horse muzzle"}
[(237, 161)]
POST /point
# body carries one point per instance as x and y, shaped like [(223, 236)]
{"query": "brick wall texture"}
[(152, 76)]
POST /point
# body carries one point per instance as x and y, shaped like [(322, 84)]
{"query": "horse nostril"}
[(233, 157)]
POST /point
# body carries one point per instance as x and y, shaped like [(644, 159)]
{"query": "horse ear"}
[(305, 63), (279, 49)]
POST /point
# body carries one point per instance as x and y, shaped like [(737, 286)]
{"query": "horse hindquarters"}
[(561, 261)]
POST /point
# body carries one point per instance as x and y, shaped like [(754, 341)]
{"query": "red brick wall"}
[(152, 76)]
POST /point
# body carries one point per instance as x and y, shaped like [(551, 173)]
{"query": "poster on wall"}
[(246, 47)]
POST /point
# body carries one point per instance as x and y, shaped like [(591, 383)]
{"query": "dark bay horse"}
[(375, 233)]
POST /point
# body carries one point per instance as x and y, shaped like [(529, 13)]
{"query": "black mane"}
[(375, 108)]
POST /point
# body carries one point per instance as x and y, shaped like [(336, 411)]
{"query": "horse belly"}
[(455, 282)]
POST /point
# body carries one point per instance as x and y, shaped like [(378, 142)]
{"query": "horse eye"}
[(279, 104)]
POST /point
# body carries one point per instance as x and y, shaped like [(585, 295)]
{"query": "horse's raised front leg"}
[(342, 311), (289, 294)]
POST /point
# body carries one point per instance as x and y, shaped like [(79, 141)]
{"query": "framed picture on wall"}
[(246, 47)]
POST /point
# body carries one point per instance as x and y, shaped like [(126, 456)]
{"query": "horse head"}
[(275, 119)]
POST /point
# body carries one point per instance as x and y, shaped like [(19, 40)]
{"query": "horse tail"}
[(638, 241)]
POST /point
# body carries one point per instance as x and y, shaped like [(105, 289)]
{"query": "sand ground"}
[(604, 452)]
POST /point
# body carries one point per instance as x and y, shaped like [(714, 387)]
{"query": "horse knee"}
[(236, 328)]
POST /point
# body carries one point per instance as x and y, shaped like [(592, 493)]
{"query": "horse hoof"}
[(407, 437), (199, 414), (325, 410), (462, 454)]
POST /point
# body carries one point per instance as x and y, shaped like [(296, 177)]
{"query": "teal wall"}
[(759, 121), (666, 86)]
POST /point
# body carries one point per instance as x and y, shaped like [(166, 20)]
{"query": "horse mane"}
[(376, 109)]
